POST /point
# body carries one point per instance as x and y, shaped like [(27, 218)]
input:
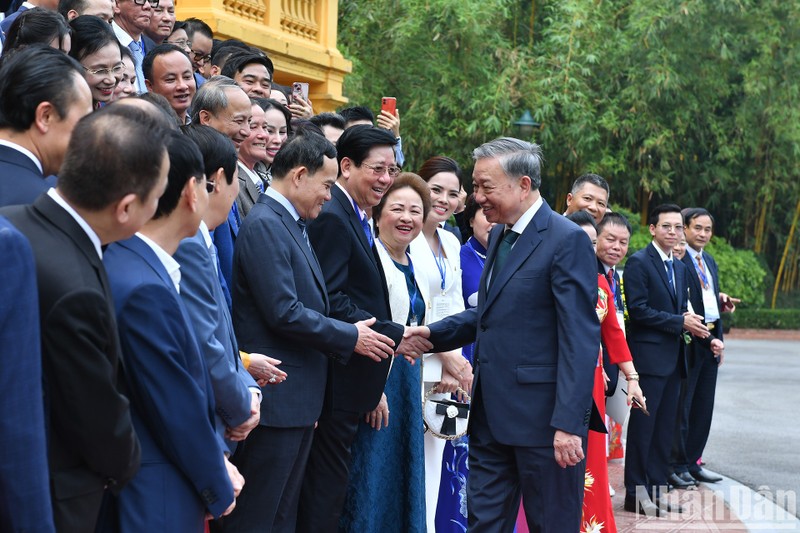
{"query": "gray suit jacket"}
[(248, 193), (202, 295), (280, 307)]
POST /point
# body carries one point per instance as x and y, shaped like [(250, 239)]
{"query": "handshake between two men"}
[(377, 346)]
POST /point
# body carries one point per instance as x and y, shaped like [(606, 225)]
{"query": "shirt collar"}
[(664, 257), (255, 178), (692, 252), (53, 193), (24, 151), (206, 234), (172, 266), (281, 199), (363, 213), (123, 37), (523, 221)]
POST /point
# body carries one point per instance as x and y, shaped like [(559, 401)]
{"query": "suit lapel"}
[(355, 221), (140, 248), (523, 248), (251, 189), (655, 257)]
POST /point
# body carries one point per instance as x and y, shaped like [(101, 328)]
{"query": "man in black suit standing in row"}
[(108, 188), (656, 296), (43, 94), (344, 242), (703, 355)]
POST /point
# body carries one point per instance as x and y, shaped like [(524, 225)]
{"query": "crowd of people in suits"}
[(223, 311)]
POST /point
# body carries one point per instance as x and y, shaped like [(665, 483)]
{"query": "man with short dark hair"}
[(131, 19), (332, 125), (589, 193), (162, 22), (107, 189), (613, 237), (202, 39), (656, 297), (354, 116), (286, 314), (168, 72), (71, 9), (186, 474), (253, 73), (704, 355), (345, 245), (43, 94)]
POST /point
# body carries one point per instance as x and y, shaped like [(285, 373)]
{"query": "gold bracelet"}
[(633, 376), (245, 359)]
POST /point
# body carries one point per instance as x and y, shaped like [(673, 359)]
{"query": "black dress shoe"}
[(676, 481), (666, 507), (645, 507), (705, 476), (687, 477)]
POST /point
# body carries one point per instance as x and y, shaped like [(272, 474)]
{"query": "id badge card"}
[(440, 308)]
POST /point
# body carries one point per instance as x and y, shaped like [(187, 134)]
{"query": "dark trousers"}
[(499, 474), (647, 461), (273, 463), (696, 410), (325, 484)]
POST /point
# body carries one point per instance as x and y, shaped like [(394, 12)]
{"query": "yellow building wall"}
[(298, 35)]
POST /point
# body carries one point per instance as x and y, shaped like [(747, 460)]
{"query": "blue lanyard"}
[(481, 258), (412, 297), (441, 262), (700, 272)]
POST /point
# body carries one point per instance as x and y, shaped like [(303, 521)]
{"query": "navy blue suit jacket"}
[(24, 487), (224, 239), (357, 291), (655, 312), (6, 23), (537, 333), (21, 182), (202, 295), (171, 396), (696, 293), (280, 308)]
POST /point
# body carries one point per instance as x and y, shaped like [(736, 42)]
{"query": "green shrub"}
[(763, 319)]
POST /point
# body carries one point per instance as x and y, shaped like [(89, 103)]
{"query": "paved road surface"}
[(755, 435)]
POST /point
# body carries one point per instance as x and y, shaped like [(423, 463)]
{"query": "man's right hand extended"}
[(694, 324), (371, 343)]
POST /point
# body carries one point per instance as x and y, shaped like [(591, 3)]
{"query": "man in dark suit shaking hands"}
[(343, 241), (281, 307), (537, 345), (656, 296)]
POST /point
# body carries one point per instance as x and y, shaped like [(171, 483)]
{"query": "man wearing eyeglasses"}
[(656, 295), (344, 243), (202, 40), (131, 19)]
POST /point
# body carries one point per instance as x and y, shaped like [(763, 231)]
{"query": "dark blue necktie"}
[(670, 273), (301, 222), (364, 224)]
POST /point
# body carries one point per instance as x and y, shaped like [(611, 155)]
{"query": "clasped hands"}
[(376, 346)]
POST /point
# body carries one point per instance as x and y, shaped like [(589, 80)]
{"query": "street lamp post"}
[(526, 125)]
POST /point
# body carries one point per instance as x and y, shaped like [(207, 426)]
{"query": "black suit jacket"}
[(696, 294), (357, 291), (92, 442), (655, 312), (21, 182), (280, 308)]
